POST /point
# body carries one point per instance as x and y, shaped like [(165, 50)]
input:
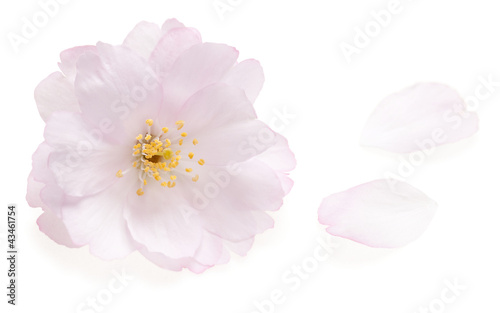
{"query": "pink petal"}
[(381, 213), (419, 118), (33, 193), (143, 39), (55, 229), (98, 221), (171, 45), (247, 75), (196, 68), (213, 107), (81, 163), (119, 88), (171, 24), (166, 262), (69, 58), (240, 247), (158, 220), (55, 93)]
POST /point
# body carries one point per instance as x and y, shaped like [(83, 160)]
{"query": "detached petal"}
[(419, 118), (143, 39), (382, 213)]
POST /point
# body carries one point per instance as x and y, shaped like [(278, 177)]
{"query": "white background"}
[(297, 42)]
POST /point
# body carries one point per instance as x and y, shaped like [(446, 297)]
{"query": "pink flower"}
[(154, 145)]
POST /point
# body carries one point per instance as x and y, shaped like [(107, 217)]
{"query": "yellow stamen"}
[(195, 141), (178, 152), (191, 155), (165, 129), (179, 124), (173, 177), (164, 184), (134, 164), (184, 134), (148, 136), (168, 142), (180, 142), (195, 179), (189, 170), (138, 137), (149, 122), (140, 192), (201, 162), (136, 152), (119, 173), (145, 182)]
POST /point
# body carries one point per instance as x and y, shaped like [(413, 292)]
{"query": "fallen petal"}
[(381, 213)]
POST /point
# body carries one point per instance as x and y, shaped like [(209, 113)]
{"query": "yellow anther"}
[(191, 155), (137, 146), (164, 184), (173, 177), (180, 142), (195, 141), (148, 136), (171, 184), (165, 129), (189, 170), (146, 169), (178, 152), (119, 173), (195, 179), (136, 152), (201, 162), (158, 178), (140, 192), (145, 182), (167, 154), (138, 137), (149, 122), (168, 142), (178, 157), (184, 134), (134, 164), (179, 124)]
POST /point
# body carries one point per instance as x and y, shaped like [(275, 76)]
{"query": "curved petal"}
[(171, 24), (143, 39), (117, 88), (55, 93), (158, 220), (166, 262), (420, 117), (247, 75), (33, 192), (171, 45), (98, 221), (55, 229), (82, 163), (380, 213), (199, 66), (69, 58)]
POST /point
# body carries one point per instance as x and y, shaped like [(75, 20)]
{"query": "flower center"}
[(158, 157)]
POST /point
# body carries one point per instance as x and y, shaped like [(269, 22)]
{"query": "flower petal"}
[(159, 221), (55, 229), (196, 68), (170, 24), (143, 39), (171, 45), (247, 75), (381, 213), (82, 163), (98, 221), (118, 88), (55, 93), (69, 58), (419, 118)]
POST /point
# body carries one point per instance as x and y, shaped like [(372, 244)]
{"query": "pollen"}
[(159, 155)]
